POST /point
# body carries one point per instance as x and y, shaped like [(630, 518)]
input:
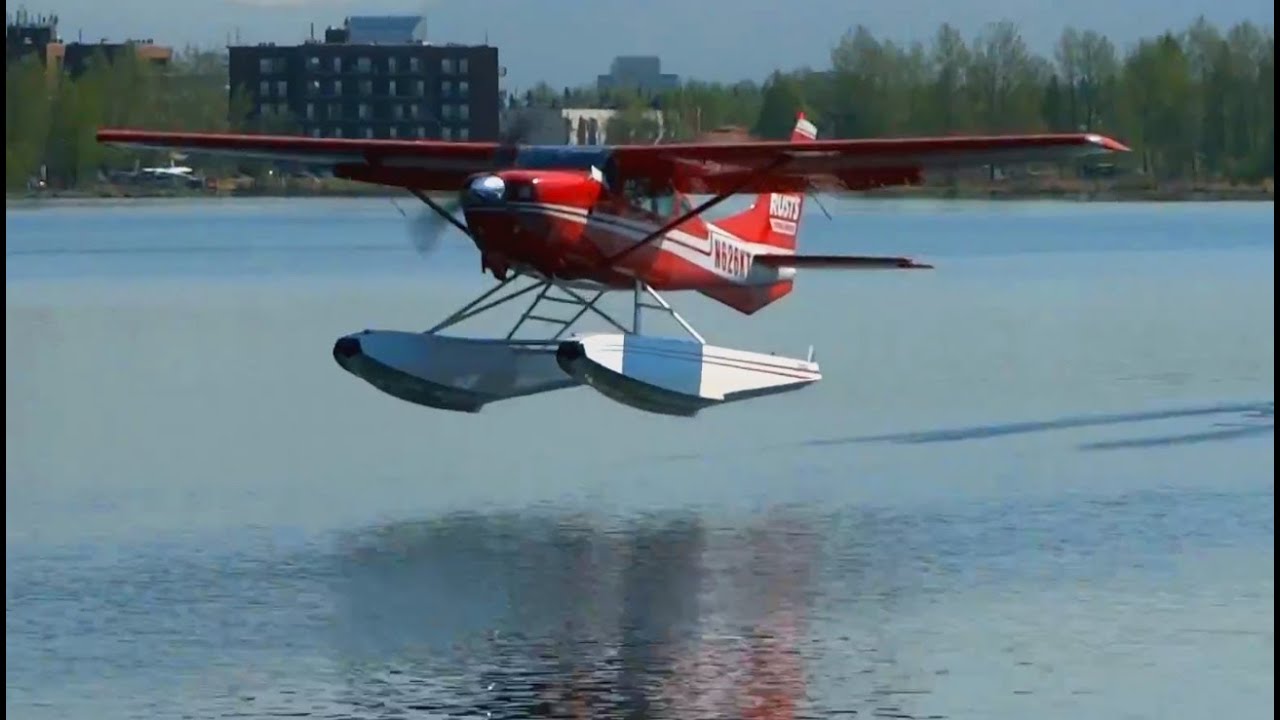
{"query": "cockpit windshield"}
[(662, 202)]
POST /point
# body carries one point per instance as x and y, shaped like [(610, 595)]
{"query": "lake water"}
[(1034, 482)]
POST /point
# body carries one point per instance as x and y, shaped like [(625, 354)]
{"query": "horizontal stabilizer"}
[(840, 262)]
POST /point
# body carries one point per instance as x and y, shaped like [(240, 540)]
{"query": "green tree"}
[(1007, 81), (1157, 105), (27, 113), (778, 106), (633, 124), (948, 108)]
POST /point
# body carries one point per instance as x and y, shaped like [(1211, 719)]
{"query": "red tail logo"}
[(784, 213)]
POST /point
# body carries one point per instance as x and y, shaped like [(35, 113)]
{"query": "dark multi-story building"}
[(76, 57), (27, 35), (375, 77)]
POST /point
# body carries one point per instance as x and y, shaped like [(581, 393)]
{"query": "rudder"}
[(773, 218)]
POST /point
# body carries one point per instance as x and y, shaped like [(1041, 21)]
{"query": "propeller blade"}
[(427, 228)]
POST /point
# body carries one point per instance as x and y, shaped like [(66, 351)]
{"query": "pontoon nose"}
[(568, 353), (346, 348)]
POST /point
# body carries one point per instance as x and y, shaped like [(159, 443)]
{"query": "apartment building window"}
[(415, 65), (337, 87), (337, 132), (391, 88), (368, 133), (315, 132), (337, 64), (397, 112), (463, 68), (364, 65), (313, 87), (446, 66), (421, 131), (264, 89), (464, 134), (391, 65), (313, 63), (464, 88), (282, 88), (419, 88), (446, 88), (392, 132), (366, 87), (270, 65), (415, 111), (311, 111), (335, 111), (446, 133), (464, 112), (365, 112), (446, 112)]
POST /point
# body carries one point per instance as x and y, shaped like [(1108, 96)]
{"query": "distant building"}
[(38, 35), (568, 126), (76, 57), (386, 29), (26, 34), (637, 72), (374, 77)]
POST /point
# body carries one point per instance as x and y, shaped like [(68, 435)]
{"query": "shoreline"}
[(1080, 192)]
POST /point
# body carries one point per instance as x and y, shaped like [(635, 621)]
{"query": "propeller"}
[(426, 227)]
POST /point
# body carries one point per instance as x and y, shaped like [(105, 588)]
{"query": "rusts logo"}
[(784, 207), (784, 213)]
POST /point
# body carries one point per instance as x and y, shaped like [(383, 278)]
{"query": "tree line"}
[(1196, 104), (51, 120)]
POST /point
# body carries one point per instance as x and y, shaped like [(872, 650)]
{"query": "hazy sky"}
[(569, 42)]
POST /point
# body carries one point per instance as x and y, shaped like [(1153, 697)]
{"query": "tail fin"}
[(774, 220)]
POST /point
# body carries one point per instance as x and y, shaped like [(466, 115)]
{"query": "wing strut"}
[(776, 163)]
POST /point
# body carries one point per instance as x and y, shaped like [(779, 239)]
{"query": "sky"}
[(569, 42)]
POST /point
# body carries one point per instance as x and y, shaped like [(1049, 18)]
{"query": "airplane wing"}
[(424, 164), (844, 164), (762, 166)]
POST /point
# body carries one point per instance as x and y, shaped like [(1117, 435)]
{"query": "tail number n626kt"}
[(729, 258)]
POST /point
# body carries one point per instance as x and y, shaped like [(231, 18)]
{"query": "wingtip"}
[(1108, 143)]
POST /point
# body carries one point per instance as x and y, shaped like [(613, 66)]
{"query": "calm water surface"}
[(1035, 482)]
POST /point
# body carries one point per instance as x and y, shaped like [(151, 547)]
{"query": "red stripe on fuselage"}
[(565, 243)]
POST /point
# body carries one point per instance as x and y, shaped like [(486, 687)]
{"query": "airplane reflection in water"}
[(524, 617), (1249, 412)]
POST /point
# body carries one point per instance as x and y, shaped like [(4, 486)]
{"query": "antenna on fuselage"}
[(817, 201)]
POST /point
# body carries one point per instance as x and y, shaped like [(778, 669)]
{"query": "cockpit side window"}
[(661, 202), (663, 205)]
